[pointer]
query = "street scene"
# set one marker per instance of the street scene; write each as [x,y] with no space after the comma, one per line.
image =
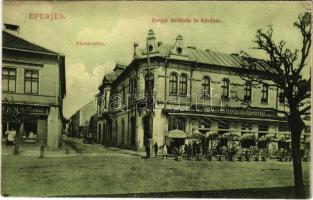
[157,103]
[112,172]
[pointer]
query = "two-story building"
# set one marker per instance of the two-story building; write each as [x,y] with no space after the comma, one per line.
[34,78]
[194,91]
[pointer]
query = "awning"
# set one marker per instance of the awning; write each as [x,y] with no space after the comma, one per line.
[176,134]
[231,135]
[212,135]
[248,136]
[268,137]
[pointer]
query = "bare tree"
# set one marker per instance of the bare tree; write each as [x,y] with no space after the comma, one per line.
[20,114]
[284,69]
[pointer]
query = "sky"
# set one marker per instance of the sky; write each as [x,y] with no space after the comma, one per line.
[119,24]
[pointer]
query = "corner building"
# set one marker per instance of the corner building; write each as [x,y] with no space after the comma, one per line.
[34,78]
[194,91]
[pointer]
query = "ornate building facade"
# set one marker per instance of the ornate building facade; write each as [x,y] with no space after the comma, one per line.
[194,91]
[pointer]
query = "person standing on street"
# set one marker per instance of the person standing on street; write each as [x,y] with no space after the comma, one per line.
[147,146]
[164,151]
[155,148]
[11,137]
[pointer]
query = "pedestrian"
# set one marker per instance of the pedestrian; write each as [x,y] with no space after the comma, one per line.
[185,150]
[180,152]
[164,151]
[189,152]
[11,137]
[147,149]
[155,148]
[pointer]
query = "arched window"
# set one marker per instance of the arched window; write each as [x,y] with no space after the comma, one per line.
[225,89]
[183,85]
[248,91]
[206,87]
[264,91]
[173,84]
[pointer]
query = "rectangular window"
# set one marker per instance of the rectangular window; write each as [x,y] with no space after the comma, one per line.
[225,89]
[264,91]
[246,128]
[248,92]
[283,127]
[281,97]
[31,81]
[175,123]
[9,79]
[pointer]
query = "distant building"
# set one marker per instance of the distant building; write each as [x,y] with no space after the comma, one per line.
[194,92]
[80,121]
[33,77]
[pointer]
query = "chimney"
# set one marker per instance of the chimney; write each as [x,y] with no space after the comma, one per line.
[135,49]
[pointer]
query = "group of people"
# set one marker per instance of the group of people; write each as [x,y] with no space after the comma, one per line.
[188,150]
[162,149]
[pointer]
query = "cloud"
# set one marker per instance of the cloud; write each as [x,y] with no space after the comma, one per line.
[83,86]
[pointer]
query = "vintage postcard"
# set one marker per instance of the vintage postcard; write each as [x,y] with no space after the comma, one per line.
[174,99]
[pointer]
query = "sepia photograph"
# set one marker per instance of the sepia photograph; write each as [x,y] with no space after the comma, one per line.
[156,99]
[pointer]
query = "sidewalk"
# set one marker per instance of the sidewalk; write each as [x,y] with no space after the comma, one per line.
[35,151]
[99,148]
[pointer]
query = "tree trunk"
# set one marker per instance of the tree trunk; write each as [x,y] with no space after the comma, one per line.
[19,132]
[296,125]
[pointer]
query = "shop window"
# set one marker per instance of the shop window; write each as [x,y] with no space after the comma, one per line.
[283,127]
[246,128]
[263,129]
[30,129]
[205,125]
[8,79]
[223,127]
[31,83]
[176,123]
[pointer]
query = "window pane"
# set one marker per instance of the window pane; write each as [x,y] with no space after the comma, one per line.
[35,87]
[35,74]
[27,86]
[4,84]
[5,71]
[12,72]
[28,74]
[12,85]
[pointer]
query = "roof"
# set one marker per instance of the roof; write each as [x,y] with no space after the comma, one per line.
[110,77]
[201,56]
[11,41]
